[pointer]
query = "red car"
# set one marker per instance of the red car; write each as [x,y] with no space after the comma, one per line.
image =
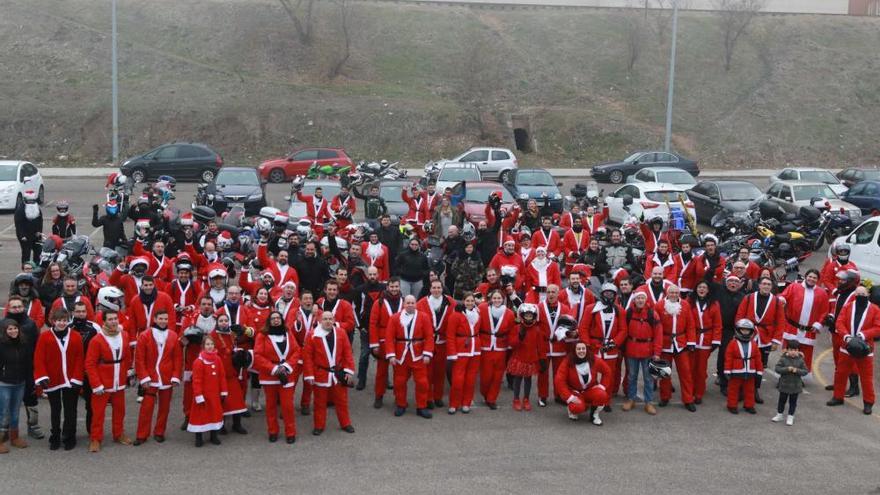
[298,163]
[476,197]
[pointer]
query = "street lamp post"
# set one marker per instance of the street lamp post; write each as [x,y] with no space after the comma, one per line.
[115,89]
[671,90]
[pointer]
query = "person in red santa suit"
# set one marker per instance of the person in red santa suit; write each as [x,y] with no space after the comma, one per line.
[409,347]
[160,266]
[707,323]
[328,366]
[542,272]
[847,282]
[210,390]
[528,357]
[147,303]
[463,353]
[575,242]
[679,339]
[420,209]
[108,361]
[508,262]
[158,364]
[497,321]
[308,317]
[742,365]
[71,295]
[196,325]
[287,304]
[652,232]
[236,361]
[857,326]
[549,312]
[184,291]
[655,287]
[577,297]
[710,264]
[662,258]
[259,307]
[766,312]
[276,358]
[281,270]
[376,254]
[440,308]
[566,221]
[525,248]
[382,312]
[548,238]
[593,220]
[128,277]
[840,262]
[343,312]
[806,305]
[241,322]
[685,267]
[59,371]
[605,330]
[317,206]
[343,207]
[583,381]
[251,284]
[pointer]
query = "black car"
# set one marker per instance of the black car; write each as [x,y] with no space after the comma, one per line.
[537,184]
[237,186]
[851,176]
[617,172]
[183,161]
[712,196]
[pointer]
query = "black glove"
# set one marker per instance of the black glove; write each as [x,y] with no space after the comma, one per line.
[237,329]
[282,376]
[829,322]
[543,365]
[690,347]
[95,207]
[715,346]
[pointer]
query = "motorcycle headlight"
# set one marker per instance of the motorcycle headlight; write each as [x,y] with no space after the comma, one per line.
[524,196]
[557,196]
[210,197]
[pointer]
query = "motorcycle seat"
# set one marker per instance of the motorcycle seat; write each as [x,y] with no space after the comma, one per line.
[784,237]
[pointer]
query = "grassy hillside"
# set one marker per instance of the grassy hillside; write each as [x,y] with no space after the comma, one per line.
[424,82]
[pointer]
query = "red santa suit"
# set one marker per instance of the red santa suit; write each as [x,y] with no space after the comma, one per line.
[678,335]
[574,244]
[184,297]
[326,353]
[652,239]
[209,389]
[702,266]
[440,310]
[593,223]
[862,321]
[59,360]
[409,340]
[685,271]
[742,365]
[668,265]
[583,385]
[342,311]
[306,322]
[605,330]
[259,313]
[496,324]
[548,317]
[61,302]
[282,273]
[769,322]
[317,209]
[161,268]
[550,241]
[381,315]
[35,311]
[566,221]
[377,255]
[828,274]
[654,294]
[707,323]
[805,309]
[835,306]
[288,310]
[275,354]
[349,205]
[578,302]
[158,364]
[513,263]
[541,274]
[190,350]
[420,208]
[108,360]
[234,403]
[141,315]
[463,347]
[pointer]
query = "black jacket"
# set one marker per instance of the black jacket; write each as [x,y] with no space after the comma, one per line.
[24,228]
[113,228]
[411,266]
[391,238]
[16,360]
[313,272]
[729,302]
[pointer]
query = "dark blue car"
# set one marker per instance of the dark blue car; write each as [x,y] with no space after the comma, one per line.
[865,195]
[537,184]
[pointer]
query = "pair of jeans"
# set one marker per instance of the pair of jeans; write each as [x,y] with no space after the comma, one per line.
[410,288]
[633,365]
[11,396]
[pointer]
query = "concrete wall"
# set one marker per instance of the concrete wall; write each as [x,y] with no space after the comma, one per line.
[779,6]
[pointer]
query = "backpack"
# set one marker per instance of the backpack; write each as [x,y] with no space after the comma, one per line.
[651,320]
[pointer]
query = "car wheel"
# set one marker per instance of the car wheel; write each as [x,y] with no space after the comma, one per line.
[138,175]
[616,177]
[276,176]
[41,195]
[18,201]
[502,177]
[207,175]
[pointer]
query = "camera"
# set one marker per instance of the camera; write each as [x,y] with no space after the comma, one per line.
[507,280]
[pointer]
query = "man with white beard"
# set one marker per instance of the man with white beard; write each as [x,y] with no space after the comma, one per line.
[679,340]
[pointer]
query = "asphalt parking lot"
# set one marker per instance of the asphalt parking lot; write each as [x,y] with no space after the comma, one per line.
[710,451]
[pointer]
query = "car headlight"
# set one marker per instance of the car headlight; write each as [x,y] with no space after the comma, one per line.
[255,196]
[523,196]
[557,196]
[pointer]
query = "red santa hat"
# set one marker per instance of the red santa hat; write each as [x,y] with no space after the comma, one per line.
[269,274]
[290,283]
[216,270]
[509,239]
[541,249]
[140,260]
[186,220]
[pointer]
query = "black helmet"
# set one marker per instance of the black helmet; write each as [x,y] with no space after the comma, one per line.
[656,220]
[857,347]
[24,278]
[745,330]
[660,368]
[241,359]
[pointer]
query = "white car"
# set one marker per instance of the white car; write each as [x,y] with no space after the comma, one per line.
[791,196]
[493,163]
[803,174]
[669,175]
[865,248]
[16,177]
[649,198]
[453,174]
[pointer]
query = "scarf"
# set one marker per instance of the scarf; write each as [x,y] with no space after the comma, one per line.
[276,330]
[209,357]
[148,299]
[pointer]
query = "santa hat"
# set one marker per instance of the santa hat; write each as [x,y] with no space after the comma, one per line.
[509,239]
[139,261]
[111,204]
[186,220]
[216,270]
[541,249]
[269,273]
[224,236]
[290,283]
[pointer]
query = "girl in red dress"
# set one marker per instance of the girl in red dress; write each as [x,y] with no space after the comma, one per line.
[527,356]
[210,391]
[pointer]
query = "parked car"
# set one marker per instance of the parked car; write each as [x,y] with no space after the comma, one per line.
[649,198]
[299,161]
[389,190]
[850,176]
[495,163]
[16,177]
[803,174]
[183,161]
[792,195]
[865,195]
[238,186]
[477,195]
[617,172]
[711,197]
[865,249]
[669,175]
[537,184]
[454,173]
[329,188]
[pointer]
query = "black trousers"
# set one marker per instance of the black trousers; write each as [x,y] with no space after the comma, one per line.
[63,401]
[363,356]
[719,363]
[30,250]
[87,397]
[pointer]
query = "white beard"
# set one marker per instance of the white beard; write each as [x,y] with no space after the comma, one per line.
[374,250]
[672,308]
[31,211]
[540,263]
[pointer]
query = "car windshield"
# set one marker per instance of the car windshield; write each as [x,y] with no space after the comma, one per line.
[238,177]
[739,192]
[534,179]
[391,193]
[675,177]
[328,191]
[633,157]
[459,174]
[481,194]
[662,196]
[822,176]
[805,193]
[8,172]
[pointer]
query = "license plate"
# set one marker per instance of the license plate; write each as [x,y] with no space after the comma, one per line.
[234,205]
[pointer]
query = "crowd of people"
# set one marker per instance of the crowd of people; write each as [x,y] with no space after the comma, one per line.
[240,323]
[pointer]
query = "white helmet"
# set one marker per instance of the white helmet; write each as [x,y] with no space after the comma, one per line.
[110,297]
[304,228]
[383,162]
[264,226]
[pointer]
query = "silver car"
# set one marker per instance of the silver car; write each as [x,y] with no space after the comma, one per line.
[494,163]
[792,195]
[804,174]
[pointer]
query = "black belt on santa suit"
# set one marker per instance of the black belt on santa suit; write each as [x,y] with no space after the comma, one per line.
[104,361]
[408,340]
[800,327]
[499,334]
[643,341]
[703,330]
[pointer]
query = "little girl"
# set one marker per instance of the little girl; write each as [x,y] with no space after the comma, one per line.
[527,357]
[791,368]
[209,391]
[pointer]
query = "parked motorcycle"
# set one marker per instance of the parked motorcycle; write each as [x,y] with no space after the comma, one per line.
[365,173]
[202,197]
[333,171]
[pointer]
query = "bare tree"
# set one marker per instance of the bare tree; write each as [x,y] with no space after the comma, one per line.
[302,25]
[735,16]
[634,27]
[345,53]
[480,76]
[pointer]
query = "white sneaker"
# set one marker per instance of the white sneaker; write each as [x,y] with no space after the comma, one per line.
[596,419]
[572,416]
[465,409]
[790,420]
[779,417]
[255,400]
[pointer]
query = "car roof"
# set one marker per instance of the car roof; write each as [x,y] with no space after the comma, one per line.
[321,182]
[862,168]
[488,183]
[490,148]
[800,183]
[194,143]
[657,186]
[727,182]
[13,162]
[807,169]
[236,169]
[664,169]
[451,165]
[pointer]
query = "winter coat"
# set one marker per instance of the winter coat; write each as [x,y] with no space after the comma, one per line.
[468,271]
[791,383]
[24,228]
[411,266]
[113,229]
[15,360]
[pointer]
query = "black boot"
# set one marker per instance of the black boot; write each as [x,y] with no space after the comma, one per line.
[199,440]
[868,408]
[853,386]
[236,425]
[758,399]
[214,438]
[69,442]
[54,441]
[185,423]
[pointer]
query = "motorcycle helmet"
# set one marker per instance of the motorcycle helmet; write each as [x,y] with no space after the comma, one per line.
[304,228]
[282,242]
[297,183]
[848,279]
[264,226]
[63,208]
[569,324]
[24,278]
[857,347]
[842,251]
[660,369]
[112,207]
[527,310]
[110,297]
[656,220]
[224,241]
[525,232]
[384,163]
[608,287]
[745,330]
[468,232]
[428,227]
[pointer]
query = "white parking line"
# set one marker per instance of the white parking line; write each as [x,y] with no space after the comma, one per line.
[94,232]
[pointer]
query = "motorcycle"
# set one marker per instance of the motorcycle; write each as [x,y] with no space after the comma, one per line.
[202,197]
[334,171]
[365,173]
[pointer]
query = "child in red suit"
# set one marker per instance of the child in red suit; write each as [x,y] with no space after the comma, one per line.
[528,355]
[743,366]
[209,392]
